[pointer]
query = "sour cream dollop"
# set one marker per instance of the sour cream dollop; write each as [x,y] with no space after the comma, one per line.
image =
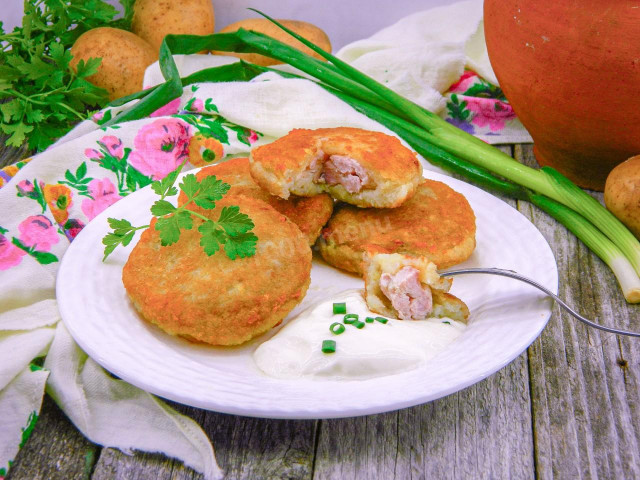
[373,351]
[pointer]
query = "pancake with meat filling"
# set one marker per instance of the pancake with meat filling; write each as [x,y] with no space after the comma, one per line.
[310,214]
[360,167]
[409,288]
[214,299]
[436,223]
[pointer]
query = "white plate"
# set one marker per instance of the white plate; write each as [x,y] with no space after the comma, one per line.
[506,316]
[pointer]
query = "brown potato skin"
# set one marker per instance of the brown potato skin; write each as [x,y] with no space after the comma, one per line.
[622,193]
[125,57]
[262,25]
[213,299]
[310,214]
[154,19]
[437,223]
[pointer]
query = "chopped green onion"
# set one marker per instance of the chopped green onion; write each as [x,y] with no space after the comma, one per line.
[381,319]
[369,319]
[358,324]
[337,328]
[350,318]
[328,346]
[448,323]
[339,308]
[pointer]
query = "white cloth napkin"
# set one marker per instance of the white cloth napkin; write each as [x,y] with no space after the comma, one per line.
[46,203]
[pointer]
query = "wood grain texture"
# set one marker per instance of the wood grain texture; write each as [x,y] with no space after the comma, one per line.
[56,450]
[584,382]
[481,432]
[246,448]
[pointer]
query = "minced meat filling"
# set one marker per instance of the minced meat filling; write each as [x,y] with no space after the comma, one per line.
[409,298]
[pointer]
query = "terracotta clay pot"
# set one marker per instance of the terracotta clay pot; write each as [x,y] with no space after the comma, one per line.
[571,70]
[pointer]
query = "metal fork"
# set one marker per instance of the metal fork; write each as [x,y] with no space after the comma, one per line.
[517,276]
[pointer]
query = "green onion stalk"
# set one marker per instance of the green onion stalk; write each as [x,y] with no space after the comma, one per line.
[440,142]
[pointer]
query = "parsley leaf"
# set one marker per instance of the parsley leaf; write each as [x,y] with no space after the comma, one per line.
[234,222]
[212,237]
[123,233]
[165,187]
[162,207]
[211,190]
[232,230]
[241,246]
[169,227]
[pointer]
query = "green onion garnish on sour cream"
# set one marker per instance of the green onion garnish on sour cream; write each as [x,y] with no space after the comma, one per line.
[328,346]
[337,328]
[339,308]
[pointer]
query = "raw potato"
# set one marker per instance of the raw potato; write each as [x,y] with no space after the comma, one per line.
[622,193]
[262,25]
[154,19]
[125,57]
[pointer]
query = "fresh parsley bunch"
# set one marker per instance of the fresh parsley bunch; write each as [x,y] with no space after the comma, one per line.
[42,97]
[232,230]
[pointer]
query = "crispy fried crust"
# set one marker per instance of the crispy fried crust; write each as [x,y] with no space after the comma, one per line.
[286,165]
[444,304]
[437,223]
[310,214]
[214,299]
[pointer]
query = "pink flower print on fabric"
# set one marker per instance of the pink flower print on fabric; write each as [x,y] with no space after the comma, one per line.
[97,116]
[253,137]
[113,145]
[161,147]
[196,106]
[170,108]
[464,82]
[38,232]
[104,194]
[25,188]
[10,255]
[490,112]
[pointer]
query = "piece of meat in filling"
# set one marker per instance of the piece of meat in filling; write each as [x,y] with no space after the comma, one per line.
[408,297]
[340,170]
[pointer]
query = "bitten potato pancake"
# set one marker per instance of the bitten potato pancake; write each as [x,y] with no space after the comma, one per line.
[360,167]
[214,299]
[437,223]
[310,214]
[409,288]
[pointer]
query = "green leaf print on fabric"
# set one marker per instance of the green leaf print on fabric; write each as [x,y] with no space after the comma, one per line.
[28,430]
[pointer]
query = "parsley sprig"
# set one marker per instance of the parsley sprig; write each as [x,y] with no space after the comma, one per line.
[41,97]
[232,230]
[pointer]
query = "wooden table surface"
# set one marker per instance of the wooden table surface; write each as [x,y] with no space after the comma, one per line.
[567,408]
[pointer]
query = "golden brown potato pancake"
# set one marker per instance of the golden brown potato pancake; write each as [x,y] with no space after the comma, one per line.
[360,167]
[437,223]
[214,299]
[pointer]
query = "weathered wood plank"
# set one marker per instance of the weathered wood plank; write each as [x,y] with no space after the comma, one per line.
[246,448]
[584,382]
[56,450]
[484,431]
